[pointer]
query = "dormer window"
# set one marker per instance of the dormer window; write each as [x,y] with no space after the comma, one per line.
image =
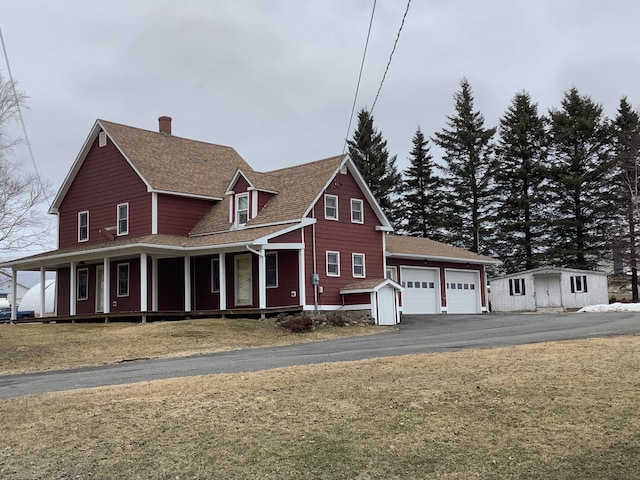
[102,139]
[242,209]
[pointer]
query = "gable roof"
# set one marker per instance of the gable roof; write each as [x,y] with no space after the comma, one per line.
[165,163]
[404,246]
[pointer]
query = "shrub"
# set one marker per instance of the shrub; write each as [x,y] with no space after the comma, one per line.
[296,323]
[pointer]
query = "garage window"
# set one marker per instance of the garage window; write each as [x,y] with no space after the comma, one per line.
[579,284]
[516,286]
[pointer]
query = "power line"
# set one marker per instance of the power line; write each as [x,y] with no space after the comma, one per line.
[355,97]
[391,55]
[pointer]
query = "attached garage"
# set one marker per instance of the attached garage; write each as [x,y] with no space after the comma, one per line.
[421,290]
[463,291]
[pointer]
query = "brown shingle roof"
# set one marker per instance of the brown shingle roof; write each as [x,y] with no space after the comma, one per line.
[176,164]
[406,245]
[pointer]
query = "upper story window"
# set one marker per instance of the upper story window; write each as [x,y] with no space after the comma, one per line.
[123,279]
[123,219]
[242,209]
[272,269]
[358,265]
[333,264]
[357,213]
[102,139]
[83,284]
[579,284]
[83,226]
[516,286]
[331,207]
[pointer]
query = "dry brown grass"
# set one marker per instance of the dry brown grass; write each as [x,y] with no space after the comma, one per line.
[35,347]
[567,410]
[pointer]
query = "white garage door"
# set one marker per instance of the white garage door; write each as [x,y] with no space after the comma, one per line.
[463,291]
[421,290]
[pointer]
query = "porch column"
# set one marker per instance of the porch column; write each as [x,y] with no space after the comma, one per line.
[106,280]
[301,278]
[223,282]
[154,284]
[14,294]
[262,279]
[43,300]
[187,283]
[143,282]
[72,288]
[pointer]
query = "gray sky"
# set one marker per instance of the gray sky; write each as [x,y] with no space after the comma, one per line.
[276,79]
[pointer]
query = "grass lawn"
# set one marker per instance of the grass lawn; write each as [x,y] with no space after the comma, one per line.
[567,410]
[37,347]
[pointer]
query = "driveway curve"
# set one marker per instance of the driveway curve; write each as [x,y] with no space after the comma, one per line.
[416,334]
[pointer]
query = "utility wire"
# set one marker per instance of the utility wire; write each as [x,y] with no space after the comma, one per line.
[24,128]
[355,97]
[391,56]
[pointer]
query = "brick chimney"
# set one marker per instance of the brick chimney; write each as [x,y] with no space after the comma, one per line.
[164,123]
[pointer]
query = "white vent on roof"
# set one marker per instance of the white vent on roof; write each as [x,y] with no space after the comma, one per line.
[102,139]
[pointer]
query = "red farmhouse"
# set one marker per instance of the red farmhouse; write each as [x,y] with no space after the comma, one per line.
[151,224]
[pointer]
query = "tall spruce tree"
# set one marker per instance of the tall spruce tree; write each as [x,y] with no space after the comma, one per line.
[582,197]
[368,150]
[627,150]
[469,168]
[422,192]
[521,154]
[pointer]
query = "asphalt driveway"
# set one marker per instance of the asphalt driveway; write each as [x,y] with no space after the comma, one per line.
[416,334]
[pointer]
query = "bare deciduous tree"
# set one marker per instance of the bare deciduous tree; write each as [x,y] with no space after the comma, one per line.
[22,194]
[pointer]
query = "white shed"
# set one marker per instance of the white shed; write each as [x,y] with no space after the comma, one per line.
[548,287]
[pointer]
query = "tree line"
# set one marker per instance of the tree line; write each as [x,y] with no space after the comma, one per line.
[537,189]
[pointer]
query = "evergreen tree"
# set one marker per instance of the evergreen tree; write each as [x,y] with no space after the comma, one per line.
[469,169]
[582,198]
[627,150]
[521,154]
[368,150]
[422,195]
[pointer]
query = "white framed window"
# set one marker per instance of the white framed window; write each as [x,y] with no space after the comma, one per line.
[123,219]
[271,260]
[391,273]
[357,262]
[579,284]
[83,226]
[516,287]
[123,279]
[83,284]
[333,264]
[102,139]
[357,211]
[242,209]
[215,274]
[331,207]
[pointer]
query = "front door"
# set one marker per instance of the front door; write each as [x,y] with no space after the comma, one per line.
[100,289]
[243,280]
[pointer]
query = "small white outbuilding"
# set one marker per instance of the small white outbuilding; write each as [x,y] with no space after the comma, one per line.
[548,288]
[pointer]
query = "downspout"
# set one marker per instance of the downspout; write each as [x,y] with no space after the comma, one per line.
[315,261]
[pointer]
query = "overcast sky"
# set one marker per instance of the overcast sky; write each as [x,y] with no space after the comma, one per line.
[276,79]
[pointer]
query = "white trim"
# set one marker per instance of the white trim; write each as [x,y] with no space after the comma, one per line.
[99,273]
[72,289]
[154,283]
[143,283]
[361,221]
[187,283]
[223,281]
[360,306]
[118,219]
[262,280]
[106,271]
[238,197]
[327,253]
[353,265]
[335,197]
[301,278]
[118,294]
[283,246]
[85,239]
[254,204]
[434,258]
[86,297]
[231,200]
[154,213]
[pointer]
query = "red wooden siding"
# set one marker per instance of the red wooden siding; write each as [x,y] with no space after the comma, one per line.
[288,280]
[63,292]
[104,180]
[263,199]
[178,215]
[202,274]
[357,298]
[131,302]
[291,237]
[344,237]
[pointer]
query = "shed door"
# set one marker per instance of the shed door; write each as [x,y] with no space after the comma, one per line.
[547,289]
[421,292]
[463,291]
[386,306]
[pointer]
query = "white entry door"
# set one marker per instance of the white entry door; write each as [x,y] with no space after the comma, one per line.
[463,291]
[421,290]
[243,280]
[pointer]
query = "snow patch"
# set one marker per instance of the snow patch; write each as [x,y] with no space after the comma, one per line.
[612,307]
